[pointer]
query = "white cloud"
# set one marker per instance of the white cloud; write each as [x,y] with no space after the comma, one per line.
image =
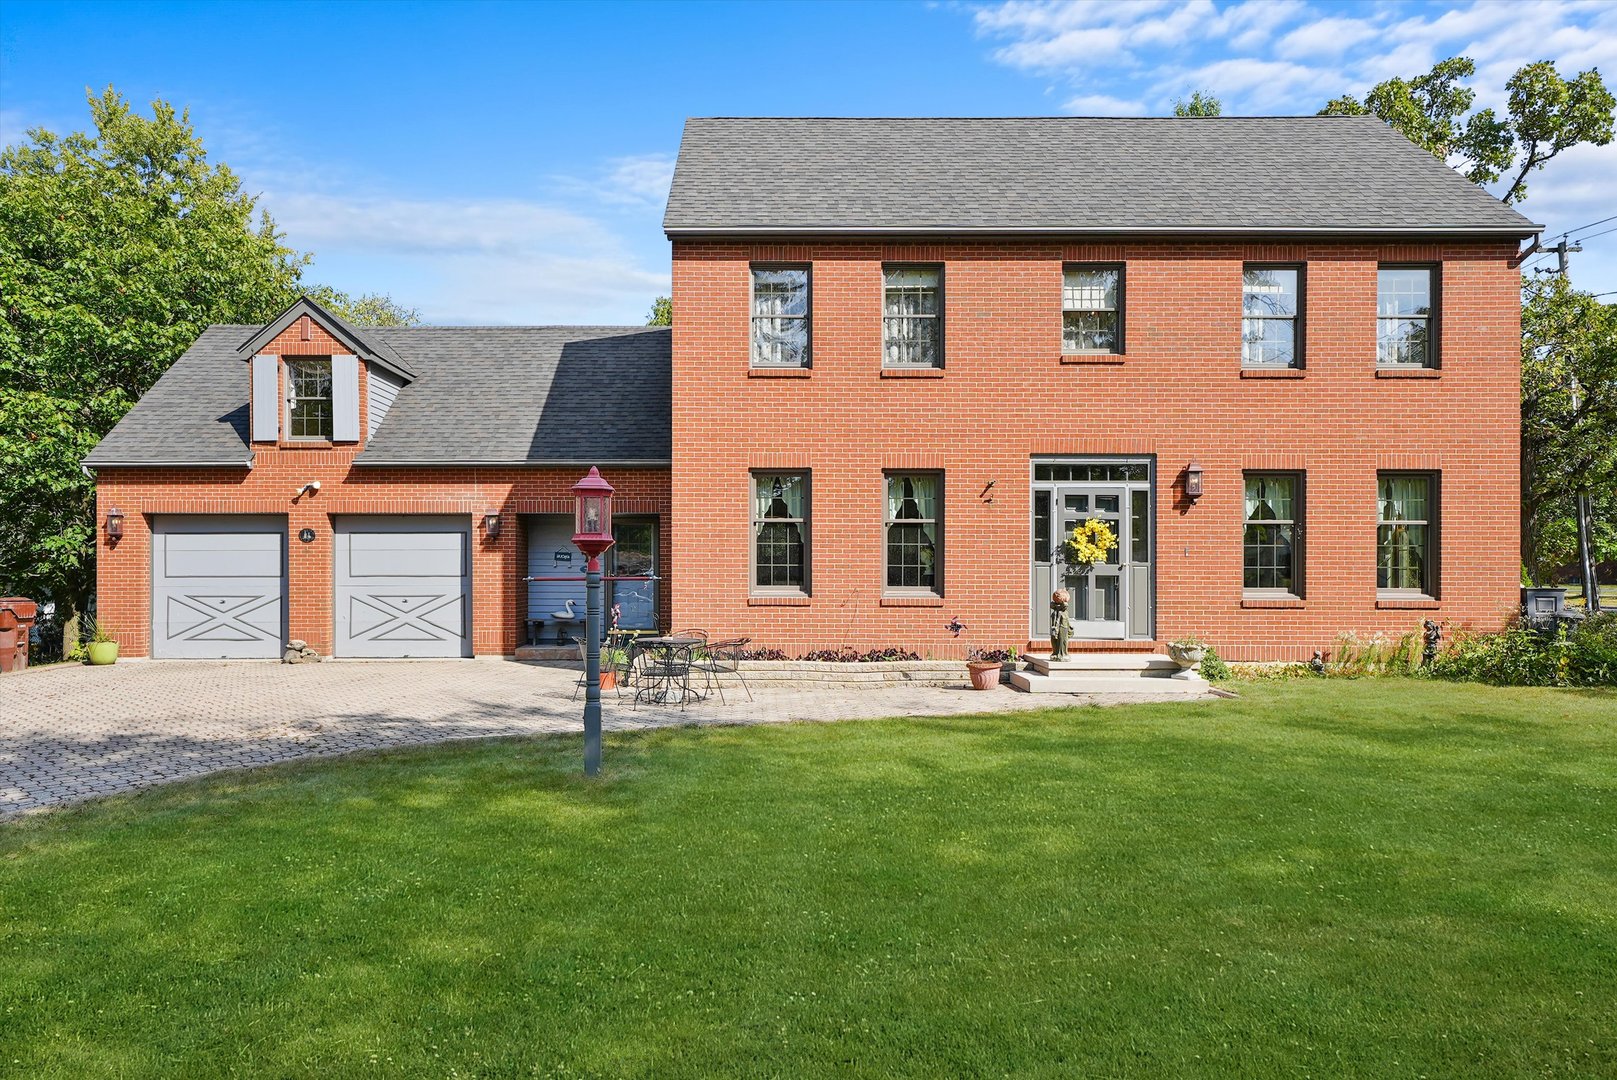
[643,179]
[1104,105]
[1325,37]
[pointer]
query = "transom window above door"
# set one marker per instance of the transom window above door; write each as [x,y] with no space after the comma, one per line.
[780,316]
[1092,309]
[1271,306]
[308,398]
[912,316]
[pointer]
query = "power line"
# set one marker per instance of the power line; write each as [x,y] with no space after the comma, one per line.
[1592,224]
[1602,232]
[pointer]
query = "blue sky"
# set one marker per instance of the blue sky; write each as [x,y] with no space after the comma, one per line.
[507,163]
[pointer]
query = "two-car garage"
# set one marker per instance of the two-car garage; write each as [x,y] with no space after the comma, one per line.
[401,585]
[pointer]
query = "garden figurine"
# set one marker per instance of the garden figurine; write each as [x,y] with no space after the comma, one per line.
[1060,625]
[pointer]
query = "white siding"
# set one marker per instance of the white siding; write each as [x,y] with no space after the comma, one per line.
[383,387]
[551,551]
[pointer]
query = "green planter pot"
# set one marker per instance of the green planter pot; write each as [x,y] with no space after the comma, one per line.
[102,652]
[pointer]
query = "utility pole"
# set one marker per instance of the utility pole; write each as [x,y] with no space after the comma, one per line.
[1586,557]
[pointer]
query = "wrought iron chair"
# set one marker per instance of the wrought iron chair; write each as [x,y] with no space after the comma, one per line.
[721,658]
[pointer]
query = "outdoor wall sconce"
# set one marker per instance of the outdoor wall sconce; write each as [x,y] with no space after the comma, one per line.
[115,524]
[491,524]
[1193,481]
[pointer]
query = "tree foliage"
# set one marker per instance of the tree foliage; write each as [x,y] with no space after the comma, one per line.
[662,312]
[1569,421]
[366,309]
[117,247]
[1198,104]
[1545,115]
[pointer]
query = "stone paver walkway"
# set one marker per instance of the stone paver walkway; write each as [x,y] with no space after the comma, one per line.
[72,732]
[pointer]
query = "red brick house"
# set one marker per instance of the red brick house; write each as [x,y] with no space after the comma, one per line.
[909,357]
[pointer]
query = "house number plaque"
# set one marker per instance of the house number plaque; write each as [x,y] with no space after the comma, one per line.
[306,535]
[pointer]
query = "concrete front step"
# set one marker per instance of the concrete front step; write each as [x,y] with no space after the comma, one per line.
[1123,664]
[1034,683]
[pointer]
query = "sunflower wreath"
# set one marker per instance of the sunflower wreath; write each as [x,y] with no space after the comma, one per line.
[1089,543]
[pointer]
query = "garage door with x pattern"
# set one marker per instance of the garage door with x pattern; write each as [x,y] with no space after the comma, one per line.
[403,586]
[218,586]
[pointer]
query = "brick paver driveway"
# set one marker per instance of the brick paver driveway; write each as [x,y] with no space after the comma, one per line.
[75,732]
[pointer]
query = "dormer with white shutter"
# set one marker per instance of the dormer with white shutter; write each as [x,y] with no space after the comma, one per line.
[318,382]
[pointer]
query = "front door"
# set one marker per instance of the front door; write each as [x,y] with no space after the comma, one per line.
[1111,598]
[1099,590]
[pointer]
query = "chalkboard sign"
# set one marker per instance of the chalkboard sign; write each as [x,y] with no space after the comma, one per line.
[306,535]
[562,557]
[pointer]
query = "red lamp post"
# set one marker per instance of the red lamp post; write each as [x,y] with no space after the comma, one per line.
[592,535]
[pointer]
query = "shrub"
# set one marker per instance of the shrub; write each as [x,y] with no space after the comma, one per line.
[1522,656]
[1213,668]
[1375,655]
[848,655]
[763,654]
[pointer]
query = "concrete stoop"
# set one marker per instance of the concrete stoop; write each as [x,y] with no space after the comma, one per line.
[1108,673]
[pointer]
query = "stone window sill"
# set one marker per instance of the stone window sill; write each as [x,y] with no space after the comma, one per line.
[1273,602]
[1093,358]
[1408,373]
[911,373]
[309,444]
[785,600]
[1407,603]
[912,601]
[779,373]
[1273,373]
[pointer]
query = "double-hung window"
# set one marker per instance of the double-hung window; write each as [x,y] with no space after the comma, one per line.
[308,398]
[1092,309]
[1271,541]
[1406,520]
[780,532]
[1406,323]
[780,316]
[912,316]
[1271,316]
[914,533]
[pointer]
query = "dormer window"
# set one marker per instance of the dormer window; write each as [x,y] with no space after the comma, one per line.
[308,398]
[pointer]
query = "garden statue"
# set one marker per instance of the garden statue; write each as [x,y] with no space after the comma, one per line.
[1433,634]
[1060,625]
[1317,664]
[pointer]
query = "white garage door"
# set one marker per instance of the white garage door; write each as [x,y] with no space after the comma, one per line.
[403,586]
[218,586]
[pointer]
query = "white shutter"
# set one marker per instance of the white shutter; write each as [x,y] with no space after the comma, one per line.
[344,398]
[266,397]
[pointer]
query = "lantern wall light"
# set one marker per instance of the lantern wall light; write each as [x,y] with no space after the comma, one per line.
[115,523]
[1193,481]
[491,524]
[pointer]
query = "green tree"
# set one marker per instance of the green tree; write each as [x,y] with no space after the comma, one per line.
[1545,115]
[117,247]
[1569,422]
[1199,104]
[662,312]
[367,309]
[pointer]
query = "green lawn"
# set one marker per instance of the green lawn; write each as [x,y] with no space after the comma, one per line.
[1325,878]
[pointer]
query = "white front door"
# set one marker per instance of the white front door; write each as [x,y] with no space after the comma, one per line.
[403,586]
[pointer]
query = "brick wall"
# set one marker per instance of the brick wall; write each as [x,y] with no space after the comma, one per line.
[499,597]
[1007,393]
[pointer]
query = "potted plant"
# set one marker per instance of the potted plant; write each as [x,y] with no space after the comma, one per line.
[101,649]
[614,659]
[984,673]
[1188,651]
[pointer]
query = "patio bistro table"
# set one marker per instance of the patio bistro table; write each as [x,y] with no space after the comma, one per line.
[666,679]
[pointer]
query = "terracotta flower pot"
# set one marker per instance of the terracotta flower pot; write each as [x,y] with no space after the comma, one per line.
[984,674]
[102,652]
[609,680]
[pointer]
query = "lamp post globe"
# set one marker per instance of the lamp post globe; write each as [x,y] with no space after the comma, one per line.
[592,535]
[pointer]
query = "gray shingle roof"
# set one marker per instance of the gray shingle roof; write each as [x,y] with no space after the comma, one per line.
[1068,174]
[482,395]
